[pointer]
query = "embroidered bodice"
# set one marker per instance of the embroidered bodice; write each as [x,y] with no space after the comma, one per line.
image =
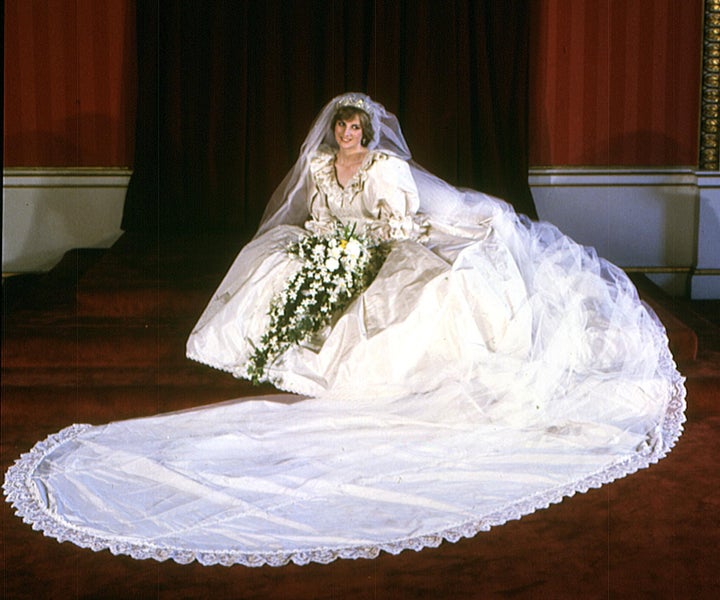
[381,197]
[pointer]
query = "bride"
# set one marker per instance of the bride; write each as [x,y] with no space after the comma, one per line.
[488,367]
[449,302]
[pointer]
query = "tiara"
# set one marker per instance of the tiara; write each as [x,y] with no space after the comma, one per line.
[356,101]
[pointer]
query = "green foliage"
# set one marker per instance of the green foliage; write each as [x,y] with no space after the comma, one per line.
[335,269]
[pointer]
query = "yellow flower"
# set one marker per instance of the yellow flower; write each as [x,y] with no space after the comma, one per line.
[343,243]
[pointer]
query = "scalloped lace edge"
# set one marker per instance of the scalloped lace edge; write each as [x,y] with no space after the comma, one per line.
[20,492]
[241,373]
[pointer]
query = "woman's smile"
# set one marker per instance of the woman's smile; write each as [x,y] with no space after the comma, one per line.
[348,133]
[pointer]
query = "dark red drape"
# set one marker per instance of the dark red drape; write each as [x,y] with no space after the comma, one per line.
[228,90]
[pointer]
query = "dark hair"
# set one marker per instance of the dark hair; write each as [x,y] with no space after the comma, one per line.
[348,112]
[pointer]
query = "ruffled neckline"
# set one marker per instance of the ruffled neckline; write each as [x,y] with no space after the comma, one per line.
[322,166]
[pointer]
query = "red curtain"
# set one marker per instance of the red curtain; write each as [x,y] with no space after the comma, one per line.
[228,90]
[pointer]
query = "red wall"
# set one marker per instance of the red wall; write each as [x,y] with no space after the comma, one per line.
[69,83]
[615,82]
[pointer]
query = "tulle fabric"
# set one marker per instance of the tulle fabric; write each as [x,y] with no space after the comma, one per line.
[438,199]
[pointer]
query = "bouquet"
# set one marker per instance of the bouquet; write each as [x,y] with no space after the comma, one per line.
[335,268]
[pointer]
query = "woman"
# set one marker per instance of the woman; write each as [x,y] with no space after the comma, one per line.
[488,367]
[397,333]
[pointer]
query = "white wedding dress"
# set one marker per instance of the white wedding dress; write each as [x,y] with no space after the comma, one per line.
[493,367]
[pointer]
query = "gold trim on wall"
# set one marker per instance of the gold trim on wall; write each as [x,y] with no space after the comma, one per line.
[657,270]
[669,270]
[709,159]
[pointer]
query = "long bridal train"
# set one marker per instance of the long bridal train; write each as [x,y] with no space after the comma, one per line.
[259,482]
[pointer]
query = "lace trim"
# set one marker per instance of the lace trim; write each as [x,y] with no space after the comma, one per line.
[29,505]
[323,169]
[202,361]
[240,372]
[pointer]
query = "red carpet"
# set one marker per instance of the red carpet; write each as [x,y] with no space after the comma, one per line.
[102,338]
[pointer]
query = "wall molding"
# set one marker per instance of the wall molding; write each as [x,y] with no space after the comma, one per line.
[661,221]
[48,211]
[21,177]
[705,282]
[611,176]
[651,220]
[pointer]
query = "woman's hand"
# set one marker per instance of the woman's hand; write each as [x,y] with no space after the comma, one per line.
[320,227]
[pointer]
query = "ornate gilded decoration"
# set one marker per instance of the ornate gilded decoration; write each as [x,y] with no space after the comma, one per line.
[709,159]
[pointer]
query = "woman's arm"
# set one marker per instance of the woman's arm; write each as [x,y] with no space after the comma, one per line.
[392,198]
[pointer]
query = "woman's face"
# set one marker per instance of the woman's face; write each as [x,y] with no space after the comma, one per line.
[349,133]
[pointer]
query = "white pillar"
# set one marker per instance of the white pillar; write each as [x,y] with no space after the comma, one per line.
[705,282]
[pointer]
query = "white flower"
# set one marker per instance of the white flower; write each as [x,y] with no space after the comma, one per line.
[332,264]
[333,270]
[353,248]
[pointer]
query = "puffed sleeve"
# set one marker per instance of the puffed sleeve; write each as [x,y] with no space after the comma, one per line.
[392,199]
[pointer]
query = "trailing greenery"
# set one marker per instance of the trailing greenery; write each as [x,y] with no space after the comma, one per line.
[335,268]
